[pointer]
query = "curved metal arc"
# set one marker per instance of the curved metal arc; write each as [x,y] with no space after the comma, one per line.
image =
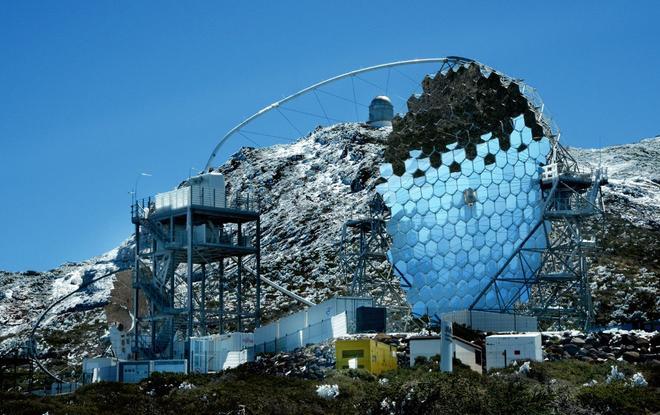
[47,310]
[276,104]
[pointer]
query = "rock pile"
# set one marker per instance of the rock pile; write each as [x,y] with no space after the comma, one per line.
[310,362]
[631,346]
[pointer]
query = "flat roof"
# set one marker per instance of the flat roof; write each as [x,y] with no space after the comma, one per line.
[455,338]
[502,336]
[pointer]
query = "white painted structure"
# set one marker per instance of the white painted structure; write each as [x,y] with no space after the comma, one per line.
[323,330]
[169,366]
[105,369]
[504,349]
[121,342]
[219,351]
[428,346]
[99,369]
[492,322]
[330,319]
[203,190]
[446,347]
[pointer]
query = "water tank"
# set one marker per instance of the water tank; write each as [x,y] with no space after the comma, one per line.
[381,112]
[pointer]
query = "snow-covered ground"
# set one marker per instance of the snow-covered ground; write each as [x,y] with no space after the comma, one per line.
[634,176]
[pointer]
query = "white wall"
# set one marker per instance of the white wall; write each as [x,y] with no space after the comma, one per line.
[311,325]
[522,347]
[430,347]
[492,322]
[424,347]
[210,353]
[170,366]
[467,356]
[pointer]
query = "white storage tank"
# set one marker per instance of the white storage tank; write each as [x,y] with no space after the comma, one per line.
[504,349]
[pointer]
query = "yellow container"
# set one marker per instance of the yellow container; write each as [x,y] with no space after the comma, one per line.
[367,354]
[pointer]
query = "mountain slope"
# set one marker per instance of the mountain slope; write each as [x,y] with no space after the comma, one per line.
[308,189]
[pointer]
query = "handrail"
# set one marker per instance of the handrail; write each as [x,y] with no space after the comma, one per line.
[33,343]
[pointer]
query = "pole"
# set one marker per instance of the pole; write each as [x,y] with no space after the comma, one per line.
[239,286]
[257,317]
[446,347]
[202,306]
[189,230]
[221,307]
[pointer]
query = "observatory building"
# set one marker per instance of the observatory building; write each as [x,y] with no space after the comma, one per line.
[381,112]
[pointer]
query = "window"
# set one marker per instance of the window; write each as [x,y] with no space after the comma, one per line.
[516,352]
[347,354]
[477,357]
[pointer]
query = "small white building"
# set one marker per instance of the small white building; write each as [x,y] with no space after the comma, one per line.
[99,369]
[467,353]
[218,352]
[504,349]
[106,369]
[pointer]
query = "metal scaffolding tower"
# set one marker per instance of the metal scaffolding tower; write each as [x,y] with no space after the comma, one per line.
[559,289]
[186,243]
[364,264]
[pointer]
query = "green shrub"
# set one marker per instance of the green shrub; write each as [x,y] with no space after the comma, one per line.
[620,399]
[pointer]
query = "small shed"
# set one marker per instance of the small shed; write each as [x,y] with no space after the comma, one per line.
[504,349]
[133,371]
[368,354]
[99,369]
[468,353]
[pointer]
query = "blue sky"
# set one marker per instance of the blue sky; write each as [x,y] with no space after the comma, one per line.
[93,93]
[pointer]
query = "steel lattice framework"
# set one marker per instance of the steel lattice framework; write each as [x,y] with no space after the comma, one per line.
[542,271]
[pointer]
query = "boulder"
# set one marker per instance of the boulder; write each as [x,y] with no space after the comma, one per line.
[571,349]
[578,341]
[631,357]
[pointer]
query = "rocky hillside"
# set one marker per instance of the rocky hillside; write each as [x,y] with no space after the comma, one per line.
[308,189]
[626,274]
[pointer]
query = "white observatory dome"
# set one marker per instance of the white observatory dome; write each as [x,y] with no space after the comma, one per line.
[381,112]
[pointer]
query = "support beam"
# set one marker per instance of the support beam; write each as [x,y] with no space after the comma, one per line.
[189,276]
[136,293]
[239,288]
[258,271]
[221,308]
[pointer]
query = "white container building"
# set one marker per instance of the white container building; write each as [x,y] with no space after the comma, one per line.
[220,351]
[504,349]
